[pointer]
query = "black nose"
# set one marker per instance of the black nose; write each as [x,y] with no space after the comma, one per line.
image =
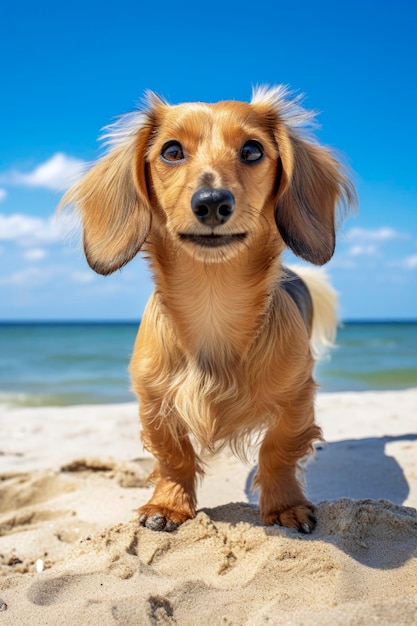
[213,206]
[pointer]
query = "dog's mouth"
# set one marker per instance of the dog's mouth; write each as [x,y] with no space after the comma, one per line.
[213,240]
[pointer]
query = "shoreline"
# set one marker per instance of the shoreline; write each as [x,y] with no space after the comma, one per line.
[49,433]
[72,551]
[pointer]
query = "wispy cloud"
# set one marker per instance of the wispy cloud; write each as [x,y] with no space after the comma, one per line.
[32,276]
[410,262]
[384,233]
[371,242]
[83,277]
[3,194]
[363,250]
[35,254]
[27,230]
[57,173]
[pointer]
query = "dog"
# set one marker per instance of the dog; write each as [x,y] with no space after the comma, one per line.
[213,194]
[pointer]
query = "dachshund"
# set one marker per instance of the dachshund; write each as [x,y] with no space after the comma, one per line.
[213,194]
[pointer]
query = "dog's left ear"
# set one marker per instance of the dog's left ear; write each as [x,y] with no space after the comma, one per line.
[310,187]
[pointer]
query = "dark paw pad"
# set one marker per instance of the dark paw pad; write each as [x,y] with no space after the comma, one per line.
[158,522]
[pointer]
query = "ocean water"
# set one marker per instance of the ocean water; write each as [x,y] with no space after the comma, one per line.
[87,363]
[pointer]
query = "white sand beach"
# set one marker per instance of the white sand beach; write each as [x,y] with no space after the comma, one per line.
[72,551]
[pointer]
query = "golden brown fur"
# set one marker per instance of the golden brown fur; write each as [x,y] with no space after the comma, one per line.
[222,350]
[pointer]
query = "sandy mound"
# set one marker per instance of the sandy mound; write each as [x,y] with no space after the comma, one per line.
[72,551]
[223,567]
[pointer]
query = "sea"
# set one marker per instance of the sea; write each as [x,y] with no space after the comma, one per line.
[57,363]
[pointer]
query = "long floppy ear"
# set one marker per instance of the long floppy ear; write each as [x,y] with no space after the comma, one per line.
[310,180]
[308,196]
[112,199]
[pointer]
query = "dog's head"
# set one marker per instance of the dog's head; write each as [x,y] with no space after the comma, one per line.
[212,178]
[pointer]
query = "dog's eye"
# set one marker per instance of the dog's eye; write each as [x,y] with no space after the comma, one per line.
[251,151]
[172,151]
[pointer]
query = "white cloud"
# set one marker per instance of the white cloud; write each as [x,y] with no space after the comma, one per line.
[35,254]
[3,194]
[371,244]
[340,261]
[57,173]
[83,277]
[27,230]
[363,250]
[32,276]
[385,233]
[410,262]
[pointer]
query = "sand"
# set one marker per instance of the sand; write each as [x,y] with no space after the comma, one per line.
[72,552]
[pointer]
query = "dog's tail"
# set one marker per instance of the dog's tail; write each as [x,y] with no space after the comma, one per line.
[325,304]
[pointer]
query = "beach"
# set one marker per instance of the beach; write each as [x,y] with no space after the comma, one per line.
[72,551]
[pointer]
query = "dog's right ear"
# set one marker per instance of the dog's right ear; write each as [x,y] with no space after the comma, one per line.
[311,185]
[113,201]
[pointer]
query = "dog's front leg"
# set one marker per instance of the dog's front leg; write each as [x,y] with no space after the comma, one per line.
[174,498]
[282,499]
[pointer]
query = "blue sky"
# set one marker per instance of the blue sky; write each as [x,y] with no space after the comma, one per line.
[68,69]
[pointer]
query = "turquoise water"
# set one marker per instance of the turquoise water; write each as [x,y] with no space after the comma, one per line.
[86,363]
[371,356]
[60,364]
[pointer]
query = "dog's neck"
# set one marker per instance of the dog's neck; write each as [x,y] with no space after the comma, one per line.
[216,308]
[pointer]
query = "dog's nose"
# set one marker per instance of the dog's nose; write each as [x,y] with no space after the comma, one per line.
[213,206]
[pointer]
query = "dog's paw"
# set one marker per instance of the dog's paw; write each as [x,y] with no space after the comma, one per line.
[162,518]
[301,518]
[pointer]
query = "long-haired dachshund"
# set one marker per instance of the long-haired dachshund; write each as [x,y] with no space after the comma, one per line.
[213,194]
